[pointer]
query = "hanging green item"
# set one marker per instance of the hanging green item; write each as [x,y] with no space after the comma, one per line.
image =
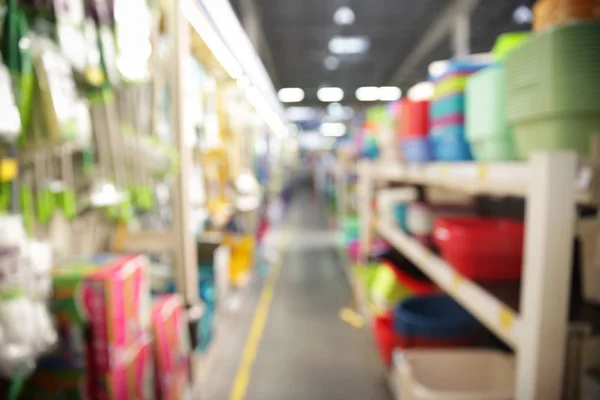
[15,48]
[27,205]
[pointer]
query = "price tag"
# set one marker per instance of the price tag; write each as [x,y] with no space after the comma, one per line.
[506,318]
[482,172]
[457,281]
[444,171]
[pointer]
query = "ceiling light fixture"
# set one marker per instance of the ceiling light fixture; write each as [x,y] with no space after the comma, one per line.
[438,68]
[389,93]
[349,44]
[332,63]
[291,95]
[297,114]
[522,15]
[333,129]
[367,93]
[421,91]
[330,94]
[211,39]
[344,16]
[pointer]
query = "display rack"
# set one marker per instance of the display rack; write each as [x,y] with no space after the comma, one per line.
[552,184]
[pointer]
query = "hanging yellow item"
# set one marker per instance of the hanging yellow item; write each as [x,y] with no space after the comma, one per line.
[242,257]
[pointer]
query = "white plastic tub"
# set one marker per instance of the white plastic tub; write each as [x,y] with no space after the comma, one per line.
[455,374]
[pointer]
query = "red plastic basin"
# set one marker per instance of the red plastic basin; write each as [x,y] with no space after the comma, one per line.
[482,249]
[385,337]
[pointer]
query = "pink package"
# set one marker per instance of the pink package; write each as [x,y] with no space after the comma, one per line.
[132,381]
[171,345]
[116,300]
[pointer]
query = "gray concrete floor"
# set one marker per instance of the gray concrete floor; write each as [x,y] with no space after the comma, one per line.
[307,351]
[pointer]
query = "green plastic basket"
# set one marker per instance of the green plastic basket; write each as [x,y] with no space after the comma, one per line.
[556,133]
[507,42]
[487,127]
[555,72]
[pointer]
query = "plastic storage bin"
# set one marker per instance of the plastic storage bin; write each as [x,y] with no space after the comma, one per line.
[447,120]
[421,216]
[385,338]
[552,99]
[450,144]
[487,128]
[453,374]
[415,118]
[400,214]
[483,249]
[416,150]
[434,321]
[452,104]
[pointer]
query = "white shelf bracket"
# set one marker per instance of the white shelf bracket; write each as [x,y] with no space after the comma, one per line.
[545,292]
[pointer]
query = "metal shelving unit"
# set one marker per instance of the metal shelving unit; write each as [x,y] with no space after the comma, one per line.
[552,184]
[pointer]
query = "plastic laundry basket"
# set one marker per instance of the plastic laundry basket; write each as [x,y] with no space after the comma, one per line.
[455,374]
[555,73]
[487,127]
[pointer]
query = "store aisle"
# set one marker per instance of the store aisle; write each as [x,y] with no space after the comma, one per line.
[306,351]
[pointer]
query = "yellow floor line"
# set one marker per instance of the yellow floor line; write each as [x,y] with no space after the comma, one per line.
[242,378]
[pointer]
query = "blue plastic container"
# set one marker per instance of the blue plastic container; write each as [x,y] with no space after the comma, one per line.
[400,212]
[434,317]
[417,149]
[449,144]
[453,104]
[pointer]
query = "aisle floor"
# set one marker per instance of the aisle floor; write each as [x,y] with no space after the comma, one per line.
[306,351]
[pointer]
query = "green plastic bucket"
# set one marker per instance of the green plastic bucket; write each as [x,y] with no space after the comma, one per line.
[487,128]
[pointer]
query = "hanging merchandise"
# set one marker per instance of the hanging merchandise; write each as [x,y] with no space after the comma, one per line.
[26,330]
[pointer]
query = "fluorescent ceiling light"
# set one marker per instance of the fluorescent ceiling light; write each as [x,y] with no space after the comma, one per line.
[300,113]
[335,110]
[332,63]
[438,68]
[291,95]
[349,44]
[421,91]
[344,16]
[333,129]
[389,93]
[268,115]
[367,93]
[523,15]
[211,38]
[330,94]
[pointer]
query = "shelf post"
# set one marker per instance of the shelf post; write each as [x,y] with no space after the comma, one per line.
[365,190]
[186,273]
[545,290]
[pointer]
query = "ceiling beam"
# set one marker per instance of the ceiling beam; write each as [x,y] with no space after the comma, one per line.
[439,30]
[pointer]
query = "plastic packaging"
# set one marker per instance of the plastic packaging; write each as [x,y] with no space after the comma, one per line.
[484,249]
[455,374]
